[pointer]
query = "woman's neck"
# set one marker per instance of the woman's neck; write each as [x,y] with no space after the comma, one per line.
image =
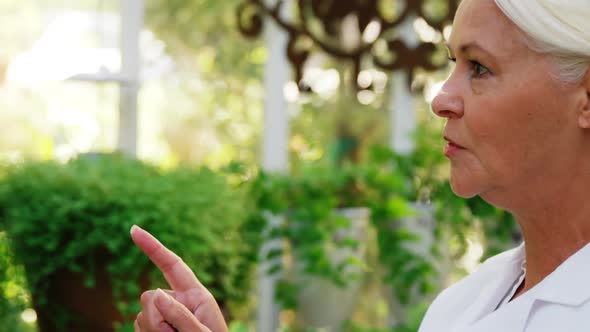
[553,231]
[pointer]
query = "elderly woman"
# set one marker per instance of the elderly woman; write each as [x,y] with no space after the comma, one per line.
[517,107]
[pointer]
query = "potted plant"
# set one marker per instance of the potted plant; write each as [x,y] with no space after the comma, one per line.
[68,227]
[327,212]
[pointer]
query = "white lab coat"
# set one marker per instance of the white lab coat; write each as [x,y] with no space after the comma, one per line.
[560,303]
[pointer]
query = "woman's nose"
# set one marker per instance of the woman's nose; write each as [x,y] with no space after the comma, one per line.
[447,103]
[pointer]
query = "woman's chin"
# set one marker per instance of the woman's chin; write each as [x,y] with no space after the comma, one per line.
[463,189]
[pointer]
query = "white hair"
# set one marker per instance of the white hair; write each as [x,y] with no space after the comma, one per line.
[559,28]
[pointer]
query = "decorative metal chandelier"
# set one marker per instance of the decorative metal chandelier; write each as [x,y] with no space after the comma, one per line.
[319,25]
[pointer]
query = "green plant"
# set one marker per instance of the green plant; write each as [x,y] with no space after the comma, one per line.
[74,215]
[309,200]
[406,271]
[14,298]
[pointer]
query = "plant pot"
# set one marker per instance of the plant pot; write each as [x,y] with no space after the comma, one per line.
[93,309]
[321,303]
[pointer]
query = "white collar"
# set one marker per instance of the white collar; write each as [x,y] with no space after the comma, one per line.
[567,285]
[573,272]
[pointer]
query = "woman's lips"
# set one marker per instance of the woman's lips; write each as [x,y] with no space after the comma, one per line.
[452,148]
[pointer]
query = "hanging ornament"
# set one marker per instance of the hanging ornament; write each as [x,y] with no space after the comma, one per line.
[323,25]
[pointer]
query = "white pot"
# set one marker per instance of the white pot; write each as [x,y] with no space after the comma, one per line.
[322,304]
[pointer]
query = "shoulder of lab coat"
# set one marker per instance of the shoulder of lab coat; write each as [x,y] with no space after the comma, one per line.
[446,308]
[561,300]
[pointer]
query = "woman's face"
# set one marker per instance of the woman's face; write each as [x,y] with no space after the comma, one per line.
[517,125]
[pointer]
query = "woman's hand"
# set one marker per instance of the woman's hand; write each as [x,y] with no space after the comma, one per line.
[188,307]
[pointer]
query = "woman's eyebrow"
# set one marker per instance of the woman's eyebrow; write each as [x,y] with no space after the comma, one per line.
[465,48]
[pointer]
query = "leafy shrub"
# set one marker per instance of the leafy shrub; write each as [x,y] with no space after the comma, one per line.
[65,216]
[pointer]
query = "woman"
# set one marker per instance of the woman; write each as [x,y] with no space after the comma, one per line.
[517,107]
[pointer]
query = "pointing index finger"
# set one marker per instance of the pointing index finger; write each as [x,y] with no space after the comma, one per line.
[177,273]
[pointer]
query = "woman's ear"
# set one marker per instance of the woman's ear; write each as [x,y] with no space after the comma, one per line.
[584,117]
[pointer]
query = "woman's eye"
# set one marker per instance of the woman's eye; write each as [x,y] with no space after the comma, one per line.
[479,70]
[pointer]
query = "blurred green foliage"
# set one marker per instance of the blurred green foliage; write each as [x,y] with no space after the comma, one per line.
[309,199]
[14,296]
[216,88]
[63,216]
[192,27]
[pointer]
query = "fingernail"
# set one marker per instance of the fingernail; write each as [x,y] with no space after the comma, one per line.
[163,300]
[133,228]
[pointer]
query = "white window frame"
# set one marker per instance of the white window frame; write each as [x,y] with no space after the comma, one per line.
[132,19]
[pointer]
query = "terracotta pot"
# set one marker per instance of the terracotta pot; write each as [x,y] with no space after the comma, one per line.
[93,309]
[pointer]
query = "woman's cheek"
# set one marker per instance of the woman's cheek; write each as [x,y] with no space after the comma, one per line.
[478,86]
